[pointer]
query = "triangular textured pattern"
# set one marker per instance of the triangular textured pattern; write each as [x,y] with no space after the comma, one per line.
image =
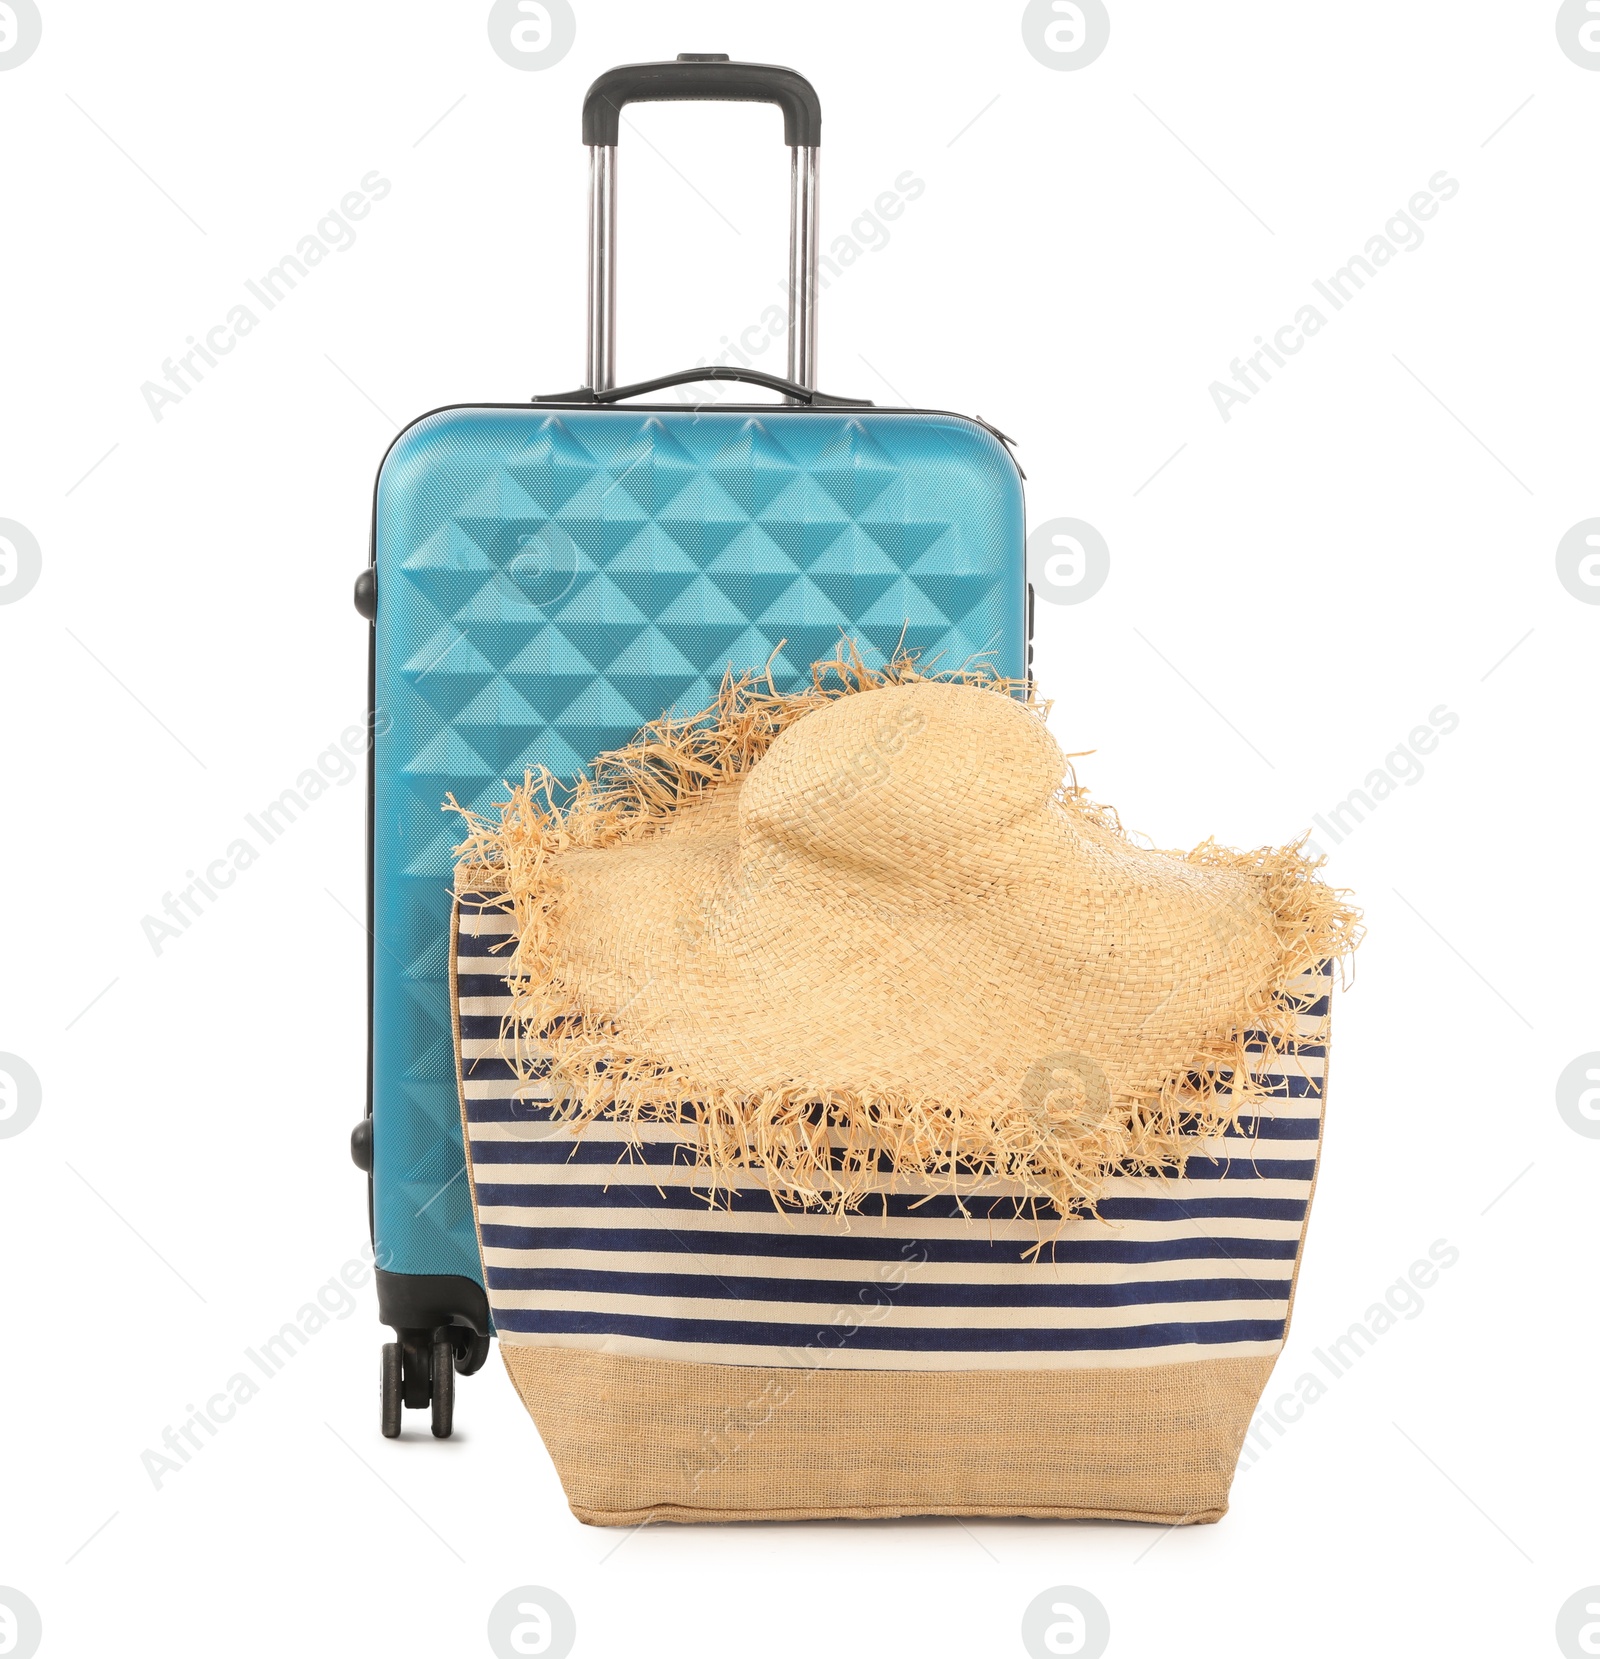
[752,571]
[652,569]
[754,468]
[549,580]
[552,466]
[653,467]
[856,470]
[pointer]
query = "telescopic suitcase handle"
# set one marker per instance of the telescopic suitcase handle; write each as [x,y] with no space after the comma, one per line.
[703,76]
[711,76]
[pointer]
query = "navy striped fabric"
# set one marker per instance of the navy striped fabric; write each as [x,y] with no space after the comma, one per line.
[605,1240]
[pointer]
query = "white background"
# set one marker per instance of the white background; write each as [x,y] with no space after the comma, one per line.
[1361,543]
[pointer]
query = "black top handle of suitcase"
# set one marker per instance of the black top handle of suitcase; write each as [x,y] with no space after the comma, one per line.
[699,76]
[714,77]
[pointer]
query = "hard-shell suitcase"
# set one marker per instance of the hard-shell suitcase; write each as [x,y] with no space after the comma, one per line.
[547,577]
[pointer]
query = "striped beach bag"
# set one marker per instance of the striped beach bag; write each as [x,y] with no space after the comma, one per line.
[716,1340]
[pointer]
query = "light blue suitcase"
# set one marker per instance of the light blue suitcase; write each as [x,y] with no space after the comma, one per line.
[547,577]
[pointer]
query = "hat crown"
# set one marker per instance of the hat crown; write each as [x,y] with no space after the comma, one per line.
[926,772]
[877,910]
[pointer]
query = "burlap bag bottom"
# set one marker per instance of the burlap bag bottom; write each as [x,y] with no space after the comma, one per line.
[638,1439]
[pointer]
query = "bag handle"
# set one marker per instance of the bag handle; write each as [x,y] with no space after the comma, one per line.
[697,76]
[796,393]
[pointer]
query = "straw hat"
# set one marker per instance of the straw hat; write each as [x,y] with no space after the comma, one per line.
[876,930]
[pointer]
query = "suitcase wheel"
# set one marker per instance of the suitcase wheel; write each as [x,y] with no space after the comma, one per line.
[391,1390]
[442,1368]
[420,1369]
[471,1350]
[419,1373]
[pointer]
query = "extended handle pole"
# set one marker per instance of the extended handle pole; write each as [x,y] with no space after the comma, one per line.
[602,360]
[804,194]
[804,202]
[696,76]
